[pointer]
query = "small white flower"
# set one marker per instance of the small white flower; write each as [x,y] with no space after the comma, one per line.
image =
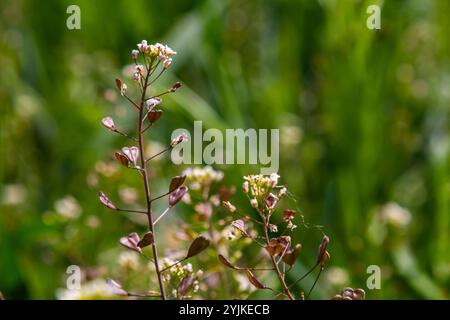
[167,63]
[245,187]
[134,54]
[151,103]
[282,192]
[143,46]
[274,179]
[168,51]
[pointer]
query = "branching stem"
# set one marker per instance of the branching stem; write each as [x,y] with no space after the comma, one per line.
[147,186]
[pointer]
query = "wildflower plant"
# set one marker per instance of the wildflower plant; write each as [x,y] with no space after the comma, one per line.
[150,62]
[264,194]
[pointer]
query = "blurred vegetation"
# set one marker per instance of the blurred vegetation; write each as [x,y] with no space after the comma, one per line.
[364,119]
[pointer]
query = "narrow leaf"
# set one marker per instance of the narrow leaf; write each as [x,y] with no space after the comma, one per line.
[197,246]
[177,195]
[290,257]
[106,202]
[146,240]
[227,262]
[254,281]
[176,182]
[116,287]
[154,115]
[119,84]
[122,159]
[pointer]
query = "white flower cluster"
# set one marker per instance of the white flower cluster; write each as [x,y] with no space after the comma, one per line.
[68,207]
[159,51]
[259,190]
[175,274]
[198,177]
[259,185]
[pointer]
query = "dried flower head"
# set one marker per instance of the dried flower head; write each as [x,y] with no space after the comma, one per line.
[132,154]
[131,242]
[277,246]
[288,215]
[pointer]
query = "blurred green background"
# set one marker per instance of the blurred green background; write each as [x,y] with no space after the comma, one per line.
[363,114]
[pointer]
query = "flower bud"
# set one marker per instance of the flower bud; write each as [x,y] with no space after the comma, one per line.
[271,201]
[179,139]
[227,205]
[245,187]
[143,46]
[134,54]
[175,87]
[106,202]
[108,122]
[167,63]
[288,215]
[274,180]
[254,203]
[152,102]
[323,248]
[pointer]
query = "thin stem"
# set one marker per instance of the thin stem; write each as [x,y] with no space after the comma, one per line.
[125,135]
[275,265]
[174,264]
[131,101]
[314,284]
[162,93]
[147,187]
[130,210]
[284,252]
[260,269]
[141,295]
[304,276]
[163,195]
[159,153]
[147,127]
[248,217]
[254,240]
[156,78]
[162,215]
